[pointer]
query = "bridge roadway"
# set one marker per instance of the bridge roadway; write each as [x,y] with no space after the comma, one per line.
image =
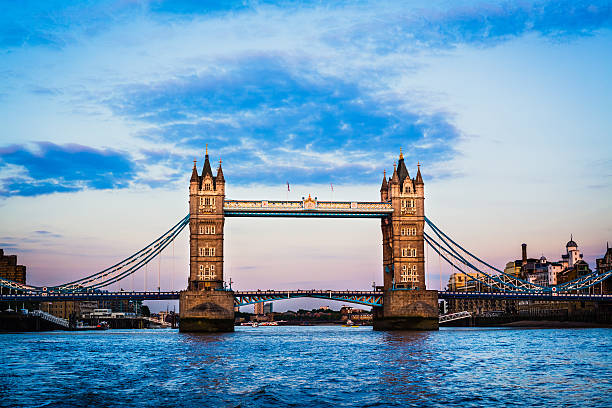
[243,298]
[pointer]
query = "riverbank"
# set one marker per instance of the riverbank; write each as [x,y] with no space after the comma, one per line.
[550,324]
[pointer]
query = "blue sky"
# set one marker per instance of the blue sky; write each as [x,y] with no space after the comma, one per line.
[104,106]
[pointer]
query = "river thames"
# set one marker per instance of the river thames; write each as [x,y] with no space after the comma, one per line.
[308,366]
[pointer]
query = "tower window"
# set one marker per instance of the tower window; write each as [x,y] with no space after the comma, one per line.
[207,186]
[206,272]
[409,253]
[408,273]
[206,251]
[209,229]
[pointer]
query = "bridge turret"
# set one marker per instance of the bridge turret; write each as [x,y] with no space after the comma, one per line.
[407,304]
[384,188]
[195,180]
[220,180]
[206,224]
[406,235]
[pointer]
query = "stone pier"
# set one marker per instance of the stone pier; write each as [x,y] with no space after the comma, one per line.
[206,311]
[407,310]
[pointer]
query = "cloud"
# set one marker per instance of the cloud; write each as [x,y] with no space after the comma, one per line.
[295,90]
[47,234]
[49,168]
[270,121]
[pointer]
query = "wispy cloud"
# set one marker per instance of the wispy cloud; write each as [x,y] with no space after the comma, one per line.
[46,167]
[292,89]
[270,121]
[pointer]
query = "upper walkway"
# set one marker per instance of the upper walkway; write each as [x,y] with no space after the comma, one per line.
[306,208]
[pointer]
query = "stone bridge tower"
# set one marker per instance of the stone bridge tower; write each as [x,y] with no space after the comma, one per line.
[407,304]
[206,221]
[206,306]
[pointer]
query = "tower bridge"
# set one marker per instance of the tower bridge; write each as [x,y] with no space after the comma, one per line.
[402,302]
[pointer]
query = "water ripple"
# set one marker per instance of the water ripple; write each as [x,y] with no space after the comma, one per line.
[308,366]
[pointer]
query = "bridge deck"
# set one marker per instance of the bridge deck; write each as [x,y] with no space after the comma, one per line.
[306,208]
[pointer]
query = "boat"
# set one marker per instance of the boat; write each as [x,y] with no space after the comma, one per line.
[349,323]
[102,326]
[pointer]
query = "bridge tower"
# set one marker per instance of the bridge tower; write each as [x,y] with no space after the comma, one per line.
[407,304]
[206,306]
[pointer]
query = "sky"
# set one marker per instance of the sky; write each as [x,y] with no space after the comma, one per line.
[104,106]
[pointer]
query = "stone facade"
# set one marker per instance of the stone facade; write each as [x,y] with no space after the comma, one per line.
[407,310]
[206,306]
[206,195]
[206,311]
[407,305]
[402,233]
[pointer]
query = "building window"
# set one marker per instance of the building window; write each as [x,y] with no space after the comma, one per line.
[407,203]
[410,231]
[409,253]
[206,272]
[206,251]
[207,187]
[201,201]
[408,273]
[201,230]
[404,274]
[209,229]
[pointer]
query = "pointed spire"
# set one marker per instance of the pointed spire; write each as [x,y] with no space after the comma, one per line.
[401,154]
[384,186]
[395,177]
[419,178]
[206,169]
[220,177]
[402,171]
[194,172]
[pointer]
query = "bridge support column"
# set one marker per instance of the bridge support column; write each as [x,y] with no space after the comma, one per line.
[407,310]
[206,311]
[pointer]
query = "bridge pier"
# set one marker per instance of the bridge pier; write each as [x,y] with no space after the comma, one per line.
[407,310]
[206,311]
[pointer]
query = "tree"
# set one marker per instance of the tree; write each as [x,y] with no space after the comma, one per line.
[145,311]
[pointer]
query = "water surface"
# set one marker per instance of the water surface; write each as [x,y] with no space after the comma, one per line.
[308,366]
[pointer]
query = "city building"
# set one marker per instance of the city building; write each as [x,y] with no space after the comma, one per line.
[9,268]
[544,273]
[459,282]
[259,308]
[605,265]
[267,308]
[68,309]
[121,305]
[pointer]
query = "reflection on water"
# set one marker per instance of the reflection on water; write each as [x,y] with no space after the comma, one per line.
[308,366]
